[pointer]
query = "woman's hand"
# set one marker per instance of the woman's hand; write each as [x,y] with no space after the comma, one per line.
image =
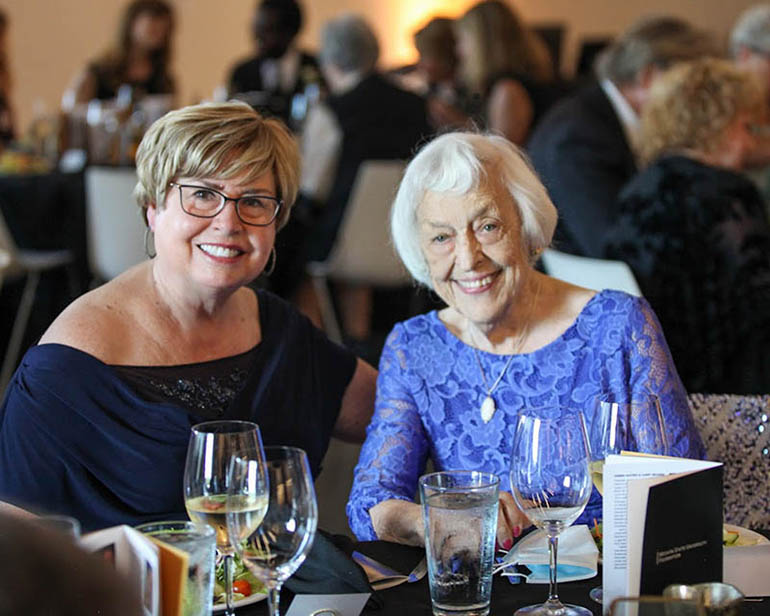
[511,521]
[398,521]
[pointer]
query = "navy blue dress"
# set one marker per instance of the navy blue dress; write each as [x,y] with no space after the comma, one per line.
[76,438]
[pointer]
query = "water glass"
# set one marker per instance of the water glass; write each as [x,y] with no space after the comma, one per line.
[460,517]
[199,542]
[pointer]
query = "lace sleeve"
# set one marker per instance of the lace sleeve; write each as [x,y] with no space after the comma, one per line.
[395,451]
[653,371]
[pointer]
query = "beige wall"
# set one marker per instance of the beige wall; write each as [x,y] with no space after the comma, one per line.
[50,40]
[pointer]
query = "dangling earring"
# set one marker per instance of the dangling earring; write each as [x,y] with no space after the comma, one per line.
[147,232]
[271,269]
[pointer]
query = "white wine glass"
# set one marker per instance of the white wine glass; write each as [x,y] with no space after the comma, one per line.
[206,476]
[617,425]
[276,549]
[551,484]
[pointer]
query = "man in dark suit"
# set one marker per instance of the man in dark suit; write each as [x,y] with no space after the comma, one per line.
[583,147]
[270,79]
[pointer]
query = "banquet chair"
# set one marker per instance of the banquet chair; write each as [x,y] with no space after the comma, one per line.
[736,431]
[29,264]
[115,230]
[5,260]
[590,273]
[362,253]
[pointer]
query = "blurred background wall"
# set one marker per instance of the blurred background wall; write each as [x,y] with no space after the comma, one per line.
[50,40]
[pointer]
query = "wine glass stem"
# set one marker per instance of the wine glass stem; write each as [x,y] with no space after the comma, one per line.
[553,544]
[228,564]
[273,599]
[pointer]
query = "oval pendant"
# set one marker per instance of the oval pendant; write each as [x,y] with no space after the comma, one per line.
[487,409]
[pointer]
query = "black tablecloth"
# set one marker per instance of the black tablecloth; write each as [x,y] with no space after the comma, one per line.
[414,599]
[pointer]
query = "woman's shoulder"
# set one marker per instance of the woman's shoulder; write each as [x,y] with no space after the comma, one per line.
[102,322]
[616,316]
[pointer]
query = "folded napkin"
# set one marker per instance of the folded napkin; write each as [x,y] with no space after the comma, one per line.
[745,567]
[577,557]
[329,570]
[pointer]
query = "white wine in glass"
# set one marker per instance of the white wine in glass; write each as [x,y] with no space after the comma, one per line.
[206,478]
[618,425]
[282,541]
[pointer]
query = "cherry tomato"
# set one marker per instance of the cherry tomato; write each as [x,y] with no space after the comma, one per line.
[242,587]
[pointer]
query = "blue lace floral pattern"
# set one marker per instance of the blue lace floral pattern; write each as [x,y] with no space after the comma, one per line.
[430,390]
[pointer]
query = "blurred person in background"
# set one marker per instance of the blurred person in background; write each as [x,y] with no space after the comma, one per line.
[365,117]
[435,75]
[139,58]
[279,70]
[505,66]
[750,50]
[693,228]
[6,114]
[583,148]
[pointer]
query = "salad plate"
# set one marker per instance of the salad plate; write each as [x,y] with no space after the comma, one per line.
[240,574]
[253,598]
[745,536]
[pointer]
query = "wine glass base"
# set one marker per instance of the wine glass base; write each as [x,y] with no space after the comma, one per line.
[553,609]
[597,594]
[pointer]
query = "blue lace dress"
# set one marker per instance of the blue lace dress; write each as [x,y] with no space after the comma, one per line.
[430,390]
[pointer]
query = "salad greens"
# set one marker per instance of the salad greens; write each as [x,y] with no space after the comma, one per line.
[240,572]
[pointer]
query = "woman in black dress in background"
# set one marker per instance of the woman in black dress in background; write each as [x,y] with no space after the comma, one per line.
[139,58]
[694,230]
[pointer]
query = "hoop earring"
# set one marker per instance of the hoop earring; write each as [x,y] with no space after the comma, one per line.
[147,232]
[271,269]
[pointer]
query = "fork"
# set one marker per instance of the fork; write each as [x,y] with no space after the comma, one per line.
[419,571]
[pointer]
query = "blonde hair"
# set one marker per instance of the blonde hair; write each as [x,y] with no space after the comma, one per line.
[693,103]
[222,140]
[501,43]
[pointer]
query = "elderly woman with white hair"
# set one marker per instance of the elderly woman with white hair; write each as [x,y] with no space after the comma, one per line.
[469,221]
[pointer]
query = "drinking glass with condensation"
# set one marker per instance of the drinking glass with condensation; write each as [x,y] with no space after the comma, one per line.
[460,517]
[199,542]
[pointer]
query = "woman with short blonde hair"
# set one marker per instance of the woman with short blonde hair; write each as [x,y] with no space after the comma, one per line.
[112,389]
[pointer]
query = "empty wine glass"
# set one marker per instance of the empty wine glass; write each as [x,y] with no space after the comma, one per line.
[615,426]
[206,478]
[282,541]
[551,484]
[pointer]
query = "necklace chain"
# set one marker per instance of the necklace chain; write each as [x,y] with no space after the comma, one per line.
[488,407]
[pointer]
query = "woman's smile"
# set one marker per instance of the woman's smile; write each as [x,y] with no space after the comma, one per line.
[477,285]
[221,251]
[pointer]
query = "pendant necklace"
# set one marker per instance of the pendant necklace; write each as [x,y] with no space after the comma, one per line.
[488,406]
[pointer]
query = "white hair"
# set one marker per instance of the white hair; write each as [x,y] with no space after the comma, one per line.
[458,163]
[752,30]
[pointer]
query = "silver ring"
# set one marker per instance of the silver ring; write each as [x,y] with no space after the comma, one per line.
[325,611]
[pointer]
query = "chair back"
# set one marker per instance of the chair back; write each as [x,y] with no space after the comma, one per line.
[7,243]
[590,273]
[115,229]
[5,260]
[362,252]
[736,431]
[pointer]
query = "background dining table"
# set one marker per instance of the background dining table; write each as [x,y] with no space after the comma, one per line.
[413,599]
